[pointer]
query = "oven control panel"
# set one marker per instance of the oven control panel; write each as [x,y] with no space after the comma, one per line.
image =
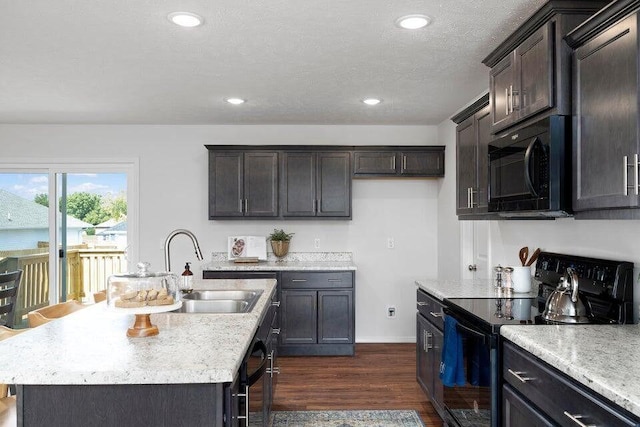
[613,279]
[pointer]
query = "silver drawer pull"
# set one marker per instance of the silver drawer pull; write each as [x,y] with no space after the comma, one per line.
[422,303]
[435,314]
[519,377]
[576,419]
[334,280]
[275,331]
[275,303]
[298,280]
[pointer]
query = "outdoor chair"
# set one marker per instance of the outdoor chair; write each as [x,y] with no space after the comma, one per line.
[9,285]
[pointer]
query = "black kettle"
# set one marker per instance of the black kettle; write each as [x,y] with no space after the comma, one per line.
[564,304]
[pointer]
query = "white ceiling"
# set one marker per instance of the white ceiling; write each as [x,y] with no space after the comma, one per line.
[296,61]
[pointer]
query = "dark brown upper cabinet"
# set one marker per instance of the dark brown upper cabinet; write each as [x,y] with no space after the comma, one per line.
[472,159]
[316,184]
[243,184]
[606,114]
[530,71]
[398,161]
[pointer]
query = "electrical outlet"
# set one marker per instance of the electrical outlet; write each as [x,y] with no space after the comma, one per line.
[391,311]
[316,243]
[391,243]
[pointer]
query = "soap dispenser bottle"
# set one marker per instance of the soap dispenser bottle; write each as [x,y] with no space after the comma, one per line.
[187,279]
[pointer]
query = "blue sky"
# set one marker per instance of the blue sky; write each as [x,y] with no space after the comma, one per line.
[28,185]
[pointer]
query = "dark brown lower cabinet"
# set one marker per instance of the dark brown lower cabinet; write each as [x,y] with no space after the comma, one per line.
[538,393]
[317,314]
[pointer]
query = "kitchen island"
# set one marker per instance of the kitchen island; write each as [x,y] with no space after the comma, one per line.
[603,358]
[83,368]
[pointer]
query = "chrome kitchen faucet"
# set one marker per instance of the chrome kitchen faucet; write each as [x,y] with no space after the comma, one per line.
[167,243]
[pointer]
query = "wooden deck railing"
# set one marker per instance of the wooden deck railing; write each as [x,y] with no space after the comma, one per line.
[87,272]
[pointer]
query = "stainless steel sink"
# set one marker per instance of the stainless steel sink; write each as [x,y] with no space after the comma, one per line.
[219,301]
[222,294]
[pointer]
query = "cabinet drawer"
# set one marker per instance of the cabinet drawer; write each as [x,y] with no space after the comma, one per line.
[338,279]
[431,308]
[557,395]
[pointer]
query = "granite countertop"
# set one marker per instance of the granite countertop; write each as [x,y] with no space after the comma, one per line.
[295,261]
[602,357]
[477,288]
[90,346]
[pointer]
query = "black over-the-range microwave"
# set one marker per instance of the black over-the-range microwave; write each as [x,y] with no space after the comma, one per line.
[530,170]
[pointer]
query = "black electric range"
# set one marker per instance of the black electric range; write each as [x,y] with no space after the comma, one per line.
[605,287]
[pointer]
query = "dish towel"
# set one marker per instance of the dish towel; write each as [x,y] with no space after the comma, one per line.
[452,360]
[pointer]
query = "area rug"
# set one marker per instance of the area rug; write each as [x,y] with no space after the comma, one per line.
[346,419]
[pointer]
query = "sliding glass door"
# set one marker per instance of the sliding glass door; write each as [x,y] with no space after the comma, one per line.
[71,226]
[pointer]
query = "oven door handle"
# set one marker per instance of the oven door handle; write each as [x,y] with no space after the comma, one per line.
[257,374]
[527,166]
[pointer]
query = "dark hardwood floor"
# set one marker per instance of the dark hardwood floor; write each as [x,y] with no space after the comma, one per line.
[379,376]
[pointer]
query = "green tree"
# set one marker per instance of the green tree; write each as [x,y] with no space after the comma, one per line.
[42,199]
[86,207]
[116,206]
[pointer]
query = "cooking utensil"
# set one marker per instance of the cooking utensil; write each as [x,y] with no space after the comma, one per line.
[534,257]
[564,304]
[524,254]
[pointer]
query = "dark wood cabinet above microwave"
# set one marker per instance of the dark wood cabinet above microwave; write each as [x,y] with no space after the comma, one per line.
[530,71]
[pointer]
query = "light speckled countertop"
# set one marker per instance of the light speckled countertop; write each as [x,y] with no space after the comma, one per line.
[442,289]
[294,261]
[91,346]
[601,357]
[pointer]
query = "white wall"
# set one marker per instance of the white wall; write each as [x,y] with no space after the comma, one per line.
[619,240]
[173,194]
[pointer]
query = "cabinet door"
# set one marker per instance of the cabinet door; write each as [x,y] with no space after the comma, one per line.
[534,73]
[299,317]
[260,184]
[335,317]
[483,137]
[374,163]
[298,195]
[605,82]
[422,163]
[517,412]
[501,86]
[424,368]
[334,184]
[465,164]
[437,341]
[225,184]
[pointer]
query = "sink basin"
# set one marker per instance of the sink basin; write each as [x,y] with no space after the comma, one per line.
[222,295]
[220,301]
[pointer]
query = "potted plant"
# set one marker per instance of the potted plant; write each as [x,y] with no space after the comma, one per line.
[280,242]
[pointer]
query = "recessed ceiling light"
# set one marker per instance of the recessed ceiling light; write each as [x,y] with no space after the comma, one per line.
[372,101]
[235,101]
[413,22]
[186,19]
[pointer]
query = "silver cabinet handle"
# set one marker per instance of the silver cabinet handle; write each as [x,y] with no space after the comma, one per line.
[519,376]
[469,198]
[393,162]
[424,341]
[472,267]
[272,369]
[334,280]
[435,314]
[511,98]
[422,303]
[298,280]
[404,162]
[246,205]
[275,331]
[472,203]
[245,417]
[635,174]
[625,173]
[240,205]
[429,345]
[275,303]
[506,101]
[576,419]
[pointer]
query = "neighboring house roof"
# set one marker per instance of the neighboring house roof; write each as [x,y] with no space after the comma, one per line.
[107,224]
[19,213]
[119,228]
